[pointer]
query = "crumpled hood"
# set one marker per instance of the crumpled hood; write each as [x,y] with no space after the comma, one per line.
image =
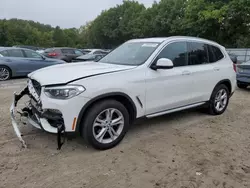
[64,73]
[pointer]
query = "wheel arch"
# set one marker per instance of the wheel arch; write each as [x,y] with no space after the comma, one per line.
[119,96]
[227,83]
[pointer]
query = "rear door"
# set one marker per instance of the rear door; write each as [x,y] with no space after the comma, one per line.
[204,72]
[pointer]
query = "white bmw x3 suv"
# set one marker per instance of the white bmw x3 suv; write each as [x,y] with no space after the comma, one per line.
[141,78]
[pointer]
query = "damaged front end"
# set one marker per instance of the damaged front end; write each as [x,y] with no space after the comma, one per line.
[49,120]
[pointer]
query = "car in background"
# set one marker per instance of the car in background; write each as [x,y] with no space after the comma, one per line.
[89,57]
[95,51]
[35,48]
[16,62]
[64,53]
[243,54]
[243,75]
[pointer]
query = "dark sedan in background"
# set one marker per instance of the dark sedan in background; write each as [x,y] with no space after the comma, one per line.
[243,74]
[63,53]
[16,62]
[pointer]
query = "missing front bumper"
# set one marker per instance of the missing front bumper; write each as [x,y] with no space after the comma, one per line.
[40,122]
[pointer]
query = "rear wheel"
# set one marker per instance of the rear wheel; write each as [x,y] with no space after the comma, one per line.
[5,73]
[106,124]
[241,85]
[219,100]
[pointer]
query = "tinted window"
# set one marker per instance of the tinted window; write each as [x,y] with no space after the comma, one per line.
[15,53]
[67,51]
[197,53]
[215,54]
[31,54]
[218,54]
[4,53]
[177,52]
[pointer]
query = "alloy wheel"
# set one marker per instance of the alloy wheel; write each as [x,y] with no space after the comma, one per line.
[221,100]
[4,73]
[108,125]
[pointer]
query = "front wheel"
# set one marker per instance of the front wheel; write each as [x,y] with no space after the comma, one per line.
[219,100]
[106,124]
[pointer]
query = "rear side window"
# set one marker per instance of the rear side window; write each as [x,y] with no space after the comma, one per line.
[177,52]
[68,51]
[15,53]
[4,53]
[215,54]
[197,53]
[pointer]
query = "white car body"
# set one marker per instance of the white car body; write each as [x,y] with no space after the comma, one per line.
[152,92]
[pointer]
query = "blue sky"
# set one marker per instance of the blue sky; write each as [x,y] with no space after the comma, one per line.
[65,13]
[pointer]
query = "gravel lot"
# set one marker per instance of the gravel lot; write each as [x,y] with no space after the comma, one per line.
[182,150]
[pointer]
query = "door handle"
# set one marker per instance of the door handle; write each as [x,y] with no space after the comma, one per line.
[8,60]
[216,68]
[186,73]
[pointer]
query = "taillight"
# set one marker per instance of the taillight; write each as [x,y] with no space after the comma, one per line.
[53,54]
[234,66]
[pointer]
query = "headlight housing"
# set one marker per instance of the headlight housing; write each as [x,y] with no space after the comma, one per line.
[64,92]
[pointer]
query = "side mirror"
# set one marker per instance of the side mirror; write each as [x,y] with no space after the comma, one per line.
[163,63]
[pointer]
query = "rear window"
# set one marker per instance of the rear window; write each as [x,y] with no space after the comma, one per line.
[68,51]
[215,54]
[49,50]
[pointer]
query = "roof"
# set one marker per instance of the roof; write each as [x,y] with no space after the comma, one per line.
[162,39]
[9,48]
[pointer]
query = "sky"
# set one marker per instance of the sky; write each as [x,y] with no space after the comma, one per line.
[64,13]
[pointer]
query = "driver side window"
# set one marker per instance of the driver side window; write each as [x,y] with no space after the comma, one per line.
[31,54]
[177,52]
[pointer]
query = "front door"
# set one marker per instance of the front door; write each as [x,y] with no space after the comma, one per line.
[171,88]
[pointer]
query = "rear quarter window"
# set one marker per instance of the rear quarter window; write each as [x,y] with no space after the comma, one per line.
[215,54]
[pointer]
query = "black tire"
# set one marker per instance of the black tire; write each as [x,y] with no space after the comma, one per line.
[9,72]
[211,104]
[241,85]
[94,111]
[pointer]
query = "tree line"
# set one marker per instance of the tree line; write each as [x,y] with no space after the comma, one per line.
[224,21]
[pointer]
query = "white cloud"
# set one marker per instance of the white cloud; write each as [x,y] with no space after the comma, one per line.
[65,13]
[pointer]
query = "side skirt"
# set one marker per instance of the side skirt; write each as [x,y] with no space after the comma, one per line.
[175,110]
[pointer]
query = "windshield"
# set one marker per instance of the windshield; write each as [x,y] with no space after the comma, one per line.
[131,53]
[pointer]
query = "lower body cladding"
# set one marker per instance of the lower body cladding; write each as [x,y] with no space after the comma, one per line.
[57,117]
